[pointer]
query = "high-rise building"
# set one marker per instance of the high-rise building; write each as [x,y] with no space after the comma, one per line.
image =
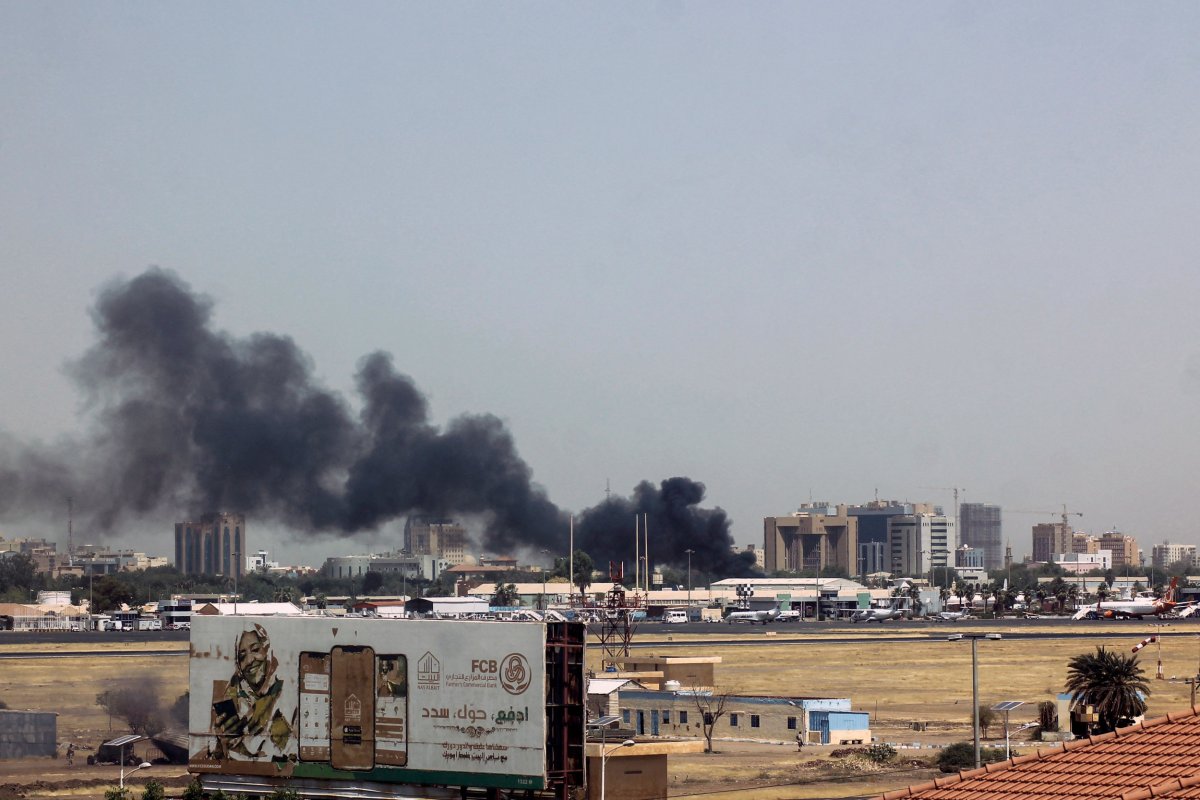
[1165,554]
[1084,544]
[435,536]
[921,543]
[815,537]
[1124,550]
[979,528]
[1051,539]
[216,545]
[873,518]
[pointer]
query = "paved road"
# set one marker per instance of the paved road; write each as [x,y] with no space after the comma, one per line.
[90,637]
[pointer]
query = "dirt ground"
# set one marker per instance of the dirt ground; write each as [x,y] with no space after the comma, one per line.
[922,679]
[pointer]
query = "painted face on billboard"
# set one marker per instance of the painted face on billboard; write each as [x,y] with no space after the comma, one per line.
[254,660]
[245,712]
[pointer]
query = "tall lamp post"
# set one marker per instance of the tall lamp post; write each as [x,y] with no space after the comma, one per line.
[689,555]
[974,637]
[604,759]
[142,765]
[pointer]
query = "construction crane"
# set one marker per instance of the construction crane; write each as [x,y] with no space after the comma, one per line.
[1064,513]
[956,490]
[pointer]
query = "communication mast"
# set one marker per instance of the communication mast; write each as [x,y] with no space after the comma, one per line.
[617,618]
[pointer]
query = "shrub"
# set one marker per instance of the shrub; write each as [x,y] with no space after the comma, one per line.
[114,793]
[961,755]
[285,794]
[882,753]
[154,791]
[987,717]
[193,791]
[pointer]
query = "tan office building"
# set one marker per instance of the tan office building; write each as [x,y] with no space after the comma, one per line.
[813,538]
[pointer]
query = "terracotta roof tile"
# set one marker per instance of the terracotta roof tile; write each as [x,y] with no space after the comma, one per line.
[1158,758]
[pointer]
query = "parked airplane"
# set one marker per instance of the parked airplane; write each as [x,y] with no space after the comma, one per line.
[953,616]
[764,616]
[878,614]
[1134,608]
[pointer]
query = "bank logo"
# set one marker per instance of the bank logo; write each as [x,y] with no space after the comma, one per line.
[515,674]
[429,672]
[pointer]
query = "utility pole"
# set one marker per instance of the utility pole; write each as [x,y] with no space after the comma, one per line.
[689,555]
[70,530]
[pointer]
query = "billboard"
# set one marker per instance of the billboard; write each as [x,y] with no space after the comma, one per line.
[456,703]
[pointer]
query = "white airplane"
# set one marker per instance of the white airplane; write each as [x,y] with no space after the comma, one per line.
[763,616]
[878,614]
[953,616]
[1134,608]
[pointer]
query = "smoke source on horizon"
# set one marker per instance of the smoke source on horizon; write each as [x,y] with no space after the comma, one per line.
[185,419]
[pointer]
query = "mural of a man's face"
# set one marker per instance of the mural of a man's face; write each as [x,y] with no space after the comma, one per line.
[254,656]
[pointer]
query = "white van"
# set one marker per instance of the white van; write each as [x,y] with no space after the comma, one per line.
[675,616]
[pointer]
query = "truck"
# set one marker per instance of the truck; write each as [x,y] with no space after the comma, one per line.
[368,707]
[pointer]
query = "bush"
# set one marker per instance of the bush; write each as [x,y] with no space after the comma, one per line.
[193,791]
[154,791]
[114,793]
[285,794]
[961,755]
[882,753]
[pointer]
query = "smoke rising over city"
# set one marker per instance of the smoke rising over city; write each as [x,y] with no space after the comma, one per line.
[184,419]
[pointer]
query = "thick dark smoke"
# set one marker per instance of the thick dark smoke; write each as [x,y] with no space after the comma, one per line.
[675,522]
[186,419]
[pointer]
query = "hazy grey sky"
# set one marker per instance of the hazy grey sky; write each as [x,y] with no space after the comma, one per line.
[783,249]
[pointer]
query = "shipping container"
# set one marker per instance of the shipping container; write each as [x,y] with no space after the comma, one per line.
[352,707]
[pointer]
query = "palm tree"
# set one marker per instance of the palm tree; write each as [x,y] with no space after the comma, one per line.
[1073,596]
[914,594]
[1112,683]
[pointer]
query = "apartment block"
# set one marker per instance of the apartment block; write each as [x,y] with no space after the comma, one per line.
[1124,549]
[445,539]
[1165,554]
[921,543]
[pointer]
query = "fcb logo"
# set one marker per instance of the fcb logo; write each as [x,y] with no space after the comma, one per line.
[515,674]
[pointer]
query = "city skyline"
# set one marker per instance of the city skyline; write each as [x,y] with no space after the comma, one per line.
[788,252]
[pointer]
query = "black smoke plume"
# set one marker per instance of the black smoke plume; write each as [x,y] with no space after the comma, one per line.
[676,523]
[186,419]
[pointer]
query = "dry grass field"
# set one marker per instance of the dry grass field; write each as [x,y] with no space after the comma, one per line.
[923,678]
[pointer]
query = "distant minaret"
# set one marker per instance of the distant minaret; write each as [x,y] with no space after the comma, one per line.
[70,530]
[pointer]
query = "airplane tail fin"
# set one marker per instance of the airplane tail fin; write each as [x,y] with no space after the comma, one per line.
[1081,613]
[1170,598]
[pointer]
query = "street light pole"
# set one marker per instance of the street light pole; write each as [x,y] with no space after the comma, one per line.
[604,759]
[142,765]
[689,555]
[974,637]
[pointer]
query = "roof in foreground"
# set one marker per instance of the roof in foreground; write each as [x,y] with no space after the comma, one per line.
[1159,758]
